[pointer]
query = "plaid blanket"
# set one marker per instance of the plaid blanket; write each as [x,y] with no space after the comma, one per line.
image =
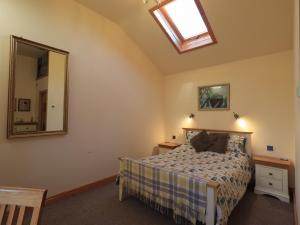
[186,196]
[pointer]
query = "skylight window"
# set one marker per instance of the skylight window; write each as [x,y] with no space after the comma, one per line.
[184,14]
[185,24]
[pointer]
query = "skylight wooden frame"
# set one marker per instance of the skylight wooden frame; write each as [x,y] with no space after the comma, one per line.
[183,45]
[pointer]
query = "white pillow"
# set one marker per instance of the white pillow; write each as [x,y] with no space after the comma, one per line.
[189,135]
[236,143]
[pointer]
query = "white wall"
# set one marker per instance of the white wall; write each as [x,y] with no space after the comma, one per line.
[297,106]
[261,92]
[115,102]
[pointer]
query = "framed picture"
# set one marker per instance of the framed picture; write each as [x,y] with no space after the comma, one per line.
[214,97]
[24,105]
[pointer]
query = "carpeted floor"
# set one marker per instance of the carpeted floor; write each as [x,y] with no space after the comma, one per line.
[101,207]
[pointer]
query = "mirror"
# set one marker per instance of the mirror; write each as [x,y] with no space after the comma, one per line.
[38,89]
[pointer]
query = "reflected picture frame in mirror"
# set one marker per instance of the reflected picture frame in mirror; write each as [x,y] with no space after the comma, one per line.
[54,66]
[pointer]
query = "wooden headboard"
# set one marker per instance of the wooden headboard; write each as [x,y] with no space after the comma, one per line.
[242,133]
[218,131]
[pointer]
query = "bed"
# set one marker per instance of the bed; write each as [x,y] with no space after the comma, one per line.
[197,187]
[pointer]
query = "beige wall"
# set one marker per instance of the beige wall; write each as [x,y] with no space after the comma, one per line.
[116,98]
[25,86]
[297,106]
[115,103]
[261,92]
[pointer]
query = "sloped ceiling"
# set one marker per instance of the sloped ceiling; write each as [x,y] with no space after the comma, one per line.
[243,28]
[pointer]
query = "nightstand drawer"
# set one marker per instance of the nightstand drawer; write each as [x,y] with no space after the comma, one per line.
[269,172]
[269,183]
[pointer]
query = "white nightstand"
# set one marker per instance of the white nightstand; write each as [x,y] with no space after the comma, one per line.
[167,146]
[271,177]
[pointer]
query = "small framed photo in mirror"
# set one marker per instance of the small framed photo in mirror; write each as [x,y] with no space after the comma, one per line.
[24,105]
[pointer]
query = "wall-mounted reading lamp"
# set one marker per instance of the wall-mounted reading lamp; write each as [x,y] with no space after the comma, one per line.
[236,116]
[191,116]
[157,1]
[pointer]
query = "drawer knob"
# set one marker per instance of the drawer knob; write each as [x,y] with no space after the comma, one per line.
[270,174]
[270,184]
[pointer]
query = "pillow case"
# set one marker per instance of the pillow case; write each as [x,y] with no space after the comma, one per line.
[236,143]
[219,142]
[190,134]
[201,141]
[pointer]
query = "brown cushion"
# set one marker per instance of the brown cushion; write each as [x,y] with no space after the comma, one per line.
[218,142]
[201,141]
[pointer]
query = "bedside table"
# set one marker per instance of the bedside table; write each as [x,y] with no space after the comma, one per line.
[271,177]
[167,146]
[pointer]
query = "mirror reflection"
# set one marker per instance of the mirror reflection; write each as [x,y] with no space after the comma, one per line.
[39,90]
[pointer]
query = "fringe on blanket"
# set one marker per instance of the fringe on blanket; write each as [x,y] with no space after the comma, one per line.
[169,211]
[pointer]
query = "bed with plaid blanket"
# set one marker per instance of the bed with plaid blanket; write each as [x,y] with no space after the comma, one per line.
[178,179]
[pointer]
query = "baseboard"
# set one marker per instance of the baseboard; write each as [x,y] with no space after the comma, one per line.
[81,189]
[295,211]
